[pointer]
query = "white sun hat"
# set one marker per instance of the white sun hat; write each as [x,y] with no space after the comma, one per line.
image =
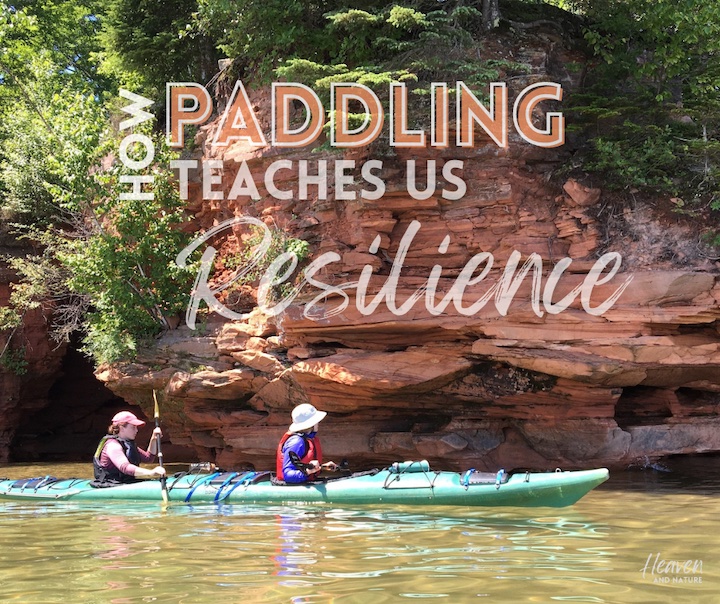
[305,416]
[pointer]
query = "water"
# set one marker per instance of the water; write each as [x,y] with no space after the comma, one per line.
[620,544]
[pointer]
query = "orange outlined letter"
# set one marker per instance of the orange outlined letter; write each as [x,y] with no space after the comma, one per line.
[179,114]
[400,136]
[439,115]
[554,133]
[282,135]
[470,110]
[242,125]
[341,93]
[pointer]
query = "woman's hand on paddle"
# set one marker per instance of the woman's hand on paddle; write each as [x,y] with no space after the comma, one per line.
[158,472]
[155,440]
[314,467]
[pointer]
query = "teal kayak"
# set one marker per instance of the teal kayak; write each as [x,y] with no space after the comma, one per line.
[407,483]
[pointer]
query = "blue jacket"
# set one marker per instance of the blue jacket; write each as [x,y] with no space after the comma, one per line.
[295,443]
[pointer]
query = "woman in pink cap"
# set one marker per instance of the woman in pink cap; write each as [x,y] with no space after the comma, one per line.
[117,458]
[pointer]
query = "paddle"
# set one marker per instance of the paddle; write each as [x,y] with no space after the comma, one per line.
[295,458]
[163,479]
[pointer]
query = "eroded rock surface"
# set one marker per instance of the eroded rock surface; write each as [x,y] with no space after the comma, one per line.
[510,384]
[517,385]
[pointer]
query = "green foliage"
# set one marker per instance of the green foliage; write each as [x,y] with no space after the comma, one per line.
[665,46]
[407,18]
[50,111]
[14,361]
[61,34]
[260,34]
[51,121]
[126,267]
[280,243]
[416,44]
[368,36]
[42,285]
[39,280]
[354,31]
[653,107]
[645,156]
[106,265]
[117,281]
[65,132]
[157,42]
[24,296]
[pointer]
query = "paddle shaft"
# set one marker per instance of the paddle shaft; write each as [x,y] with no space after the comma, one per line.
[163,479]
[297,462]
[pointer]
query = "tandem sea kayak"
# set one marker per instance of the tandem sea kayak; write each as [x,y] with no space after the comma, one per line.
[406,483]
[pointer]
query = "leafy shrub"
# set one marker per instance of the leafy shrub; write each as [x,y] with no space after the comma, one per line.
[280,243]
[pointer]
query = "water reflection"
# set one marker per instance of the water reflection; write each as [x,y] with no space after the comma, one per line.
[317,554]
[292,553]
[592,552]
[114,540]
[391,549]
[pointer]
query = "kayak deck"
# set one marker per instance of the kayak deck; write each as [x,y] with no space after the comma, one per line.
[410,483]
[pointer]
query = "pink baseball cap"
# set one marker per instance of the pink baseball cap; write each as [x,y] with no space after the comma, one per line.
[125,417]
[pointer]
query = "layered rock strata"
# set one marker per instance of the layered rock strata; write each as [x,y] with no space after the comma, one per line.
[519,388]
[571,390]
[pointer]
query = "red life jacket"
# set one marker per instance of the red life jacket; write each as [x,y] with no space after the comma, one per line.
[313,450]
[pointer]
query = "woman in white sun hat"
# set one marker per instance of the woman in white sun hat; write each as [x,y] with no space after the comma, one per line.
[117,458]
[302,440]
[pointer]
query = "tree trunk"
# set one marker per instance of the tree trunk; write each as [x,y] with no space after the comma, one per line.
[490,14]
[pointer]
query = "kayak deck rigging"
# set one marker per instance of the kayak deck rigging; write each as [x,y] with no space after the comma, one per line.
[407,483]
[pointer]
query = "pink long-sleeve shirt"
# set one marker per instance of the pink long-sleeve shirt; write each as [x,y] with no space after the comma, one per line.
[114,455]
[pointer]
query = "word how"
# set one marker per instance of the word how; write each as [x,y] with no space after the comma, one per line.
[139,115]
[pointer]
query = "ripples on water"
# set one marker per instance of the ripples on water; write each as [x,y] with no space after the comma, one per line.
[594,551]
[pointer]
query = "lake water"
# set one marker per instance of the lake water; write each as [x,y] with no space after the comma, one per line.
[643,537]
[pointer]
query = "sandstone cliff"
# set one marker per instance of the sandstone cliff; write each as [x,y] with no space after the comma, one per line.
[520,389]
[570,389]
[25,384]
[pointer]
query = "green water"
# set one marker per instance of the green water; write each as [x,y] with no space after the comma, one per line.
[627,541]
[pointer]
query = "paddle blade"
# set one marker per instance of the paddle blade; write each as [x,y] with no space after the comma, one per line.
[295,459]
[157,407]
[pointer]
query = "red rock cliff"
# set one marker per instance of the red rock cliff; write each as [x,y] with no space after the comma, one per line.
[34,366]
[521,388]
